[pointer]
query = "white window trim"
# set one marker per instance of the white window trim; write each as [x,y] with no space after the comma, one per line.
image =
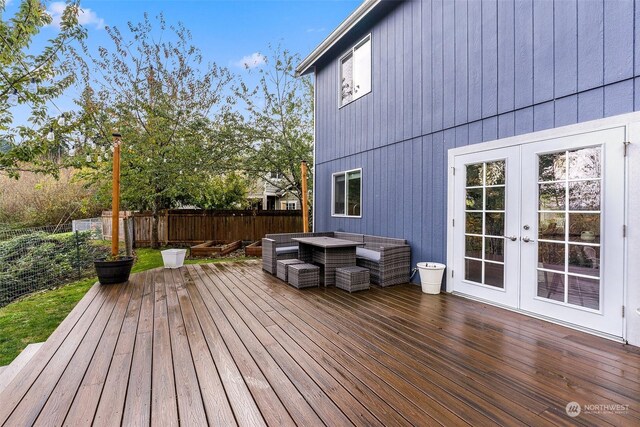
[346,194]
[285,205]
[351,52]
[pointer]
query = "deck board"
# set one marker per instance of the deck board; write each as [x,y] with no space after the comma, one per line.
[228,344]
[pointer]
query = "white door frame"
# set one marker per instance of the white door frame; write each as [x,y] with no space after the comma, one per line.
[624,120]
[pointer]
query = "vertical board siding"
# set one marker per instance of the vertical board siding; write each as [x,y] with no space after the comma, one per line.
[506,54]
[489,57]
[590,44]
[565,47]
[543,46]
[451,73]
[618,40]
[523,34]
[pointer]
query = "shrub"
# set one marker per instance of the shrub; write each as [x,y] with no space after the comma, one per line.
[38,261]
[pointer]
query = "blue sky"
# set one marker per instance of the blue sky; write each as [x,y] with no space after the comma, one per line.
[225,30]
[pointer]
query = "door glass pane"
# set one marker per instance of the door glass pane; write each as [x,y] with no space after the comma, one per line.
[494,274]
[551,226]
[552,167]
[584,260]
[473,223]
[473,246]
[495,173]
[584,292]
[494,249]
[551,285]
[552,196]
[474,199]
[569,237]
[584,163]
[495,198]
[494,224]
[584,196]
[584,227]
[551,256]
[474,175]
[473,270]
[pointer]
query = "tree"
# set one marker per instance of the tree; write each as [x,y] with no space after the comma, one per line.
[278,130]
[221,192]
[35,80]
[170,109]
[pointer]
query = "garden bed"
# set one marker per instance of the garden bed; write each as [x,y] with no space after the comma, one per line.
[254,249]
[214,248]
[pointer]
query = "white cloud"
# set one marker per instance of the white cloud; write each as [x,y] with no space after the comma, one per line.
[251,61]
[86,17]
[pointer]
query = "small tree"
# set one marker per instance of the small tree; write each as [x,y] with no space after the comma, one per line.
[33,79]
[278,130]
[169,108]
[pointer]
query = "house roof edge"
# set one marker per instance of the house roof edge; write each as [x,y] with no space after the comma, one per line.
[352,20]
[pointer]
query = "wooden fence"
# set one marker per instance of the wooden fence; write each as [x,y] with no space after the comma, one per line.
[187,227]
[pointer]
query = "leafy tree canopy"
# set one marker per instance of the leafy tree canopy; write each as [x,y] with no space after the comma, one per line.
[33,78]
[278,125]
[173,112]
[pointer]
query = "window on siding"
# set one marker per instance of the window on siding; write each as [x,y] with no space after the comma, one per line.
[290,206]
[347,193]
[355,72]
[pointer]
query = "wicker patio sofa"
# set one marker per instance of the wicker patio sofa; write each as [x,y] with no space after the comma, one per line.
[280,246]
[388,259]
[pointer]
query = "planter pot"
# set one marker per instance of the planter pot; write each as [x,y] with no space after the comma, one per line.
[111,272]
[431,276]
[173,258]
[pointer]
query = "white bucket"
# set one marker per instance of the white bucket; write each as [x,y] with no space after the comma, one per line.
[173,258]
[431,276]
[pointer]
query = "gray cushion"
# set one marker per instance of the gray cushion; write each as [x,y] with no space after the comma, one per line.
[286,250]
[368,254]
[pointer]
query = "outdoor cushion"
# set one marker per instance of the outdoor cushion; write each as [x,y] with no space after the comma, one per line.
[369,254]
[287,250]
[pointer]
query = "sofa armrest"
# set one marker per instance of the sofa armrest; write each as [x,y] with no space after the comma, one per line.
[269,257]
[390,251]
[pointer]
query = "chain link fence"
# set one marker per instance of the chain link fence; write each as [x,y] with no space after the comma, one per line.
[88,224]
[45,257]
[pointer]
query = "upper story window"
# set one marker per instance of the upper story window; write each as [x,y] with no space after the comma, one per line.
[275,175]
[355,72]
[347,193]
[290,206]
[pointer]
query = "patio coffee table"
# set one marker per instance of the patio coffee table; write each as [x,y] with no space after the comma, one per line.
[329,252]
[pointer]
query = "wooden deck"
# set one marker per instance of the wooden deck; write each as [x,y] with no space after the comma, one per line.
[228,344]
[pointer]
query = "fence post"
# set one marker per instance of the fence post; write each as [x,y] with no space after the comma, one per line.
[78,254]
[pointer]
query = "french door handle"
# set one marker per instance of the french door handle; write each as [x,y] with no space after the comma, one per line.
[526,239]
[512,238]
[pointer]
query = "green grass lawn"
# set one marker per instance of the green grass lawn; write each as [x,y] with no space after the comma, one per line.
[32,319]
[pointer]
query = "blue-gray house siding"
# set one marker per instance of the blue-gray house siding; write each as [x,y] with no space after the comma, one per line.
[450,73]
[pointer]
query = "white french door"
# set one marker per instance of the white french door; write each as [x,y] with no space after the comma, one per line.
[541,228]
[487,218]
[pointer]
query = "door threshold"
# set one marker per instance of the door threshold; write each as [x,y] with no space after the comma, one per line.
[545,318]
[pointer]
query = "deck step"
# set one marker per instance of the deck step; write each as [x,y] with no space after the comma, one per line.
[9,372]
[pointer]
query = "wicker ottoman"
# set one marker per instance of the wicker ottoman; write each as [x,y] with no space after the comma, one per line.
[352,278]
[304,275]
[282,267]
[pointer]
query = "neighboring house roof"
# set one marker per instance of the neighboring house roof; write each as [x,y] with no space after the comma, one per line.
[365,10]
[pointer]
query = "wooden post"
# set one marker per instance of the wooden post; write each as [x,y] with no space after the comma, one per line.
[115,197]
[305,207]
